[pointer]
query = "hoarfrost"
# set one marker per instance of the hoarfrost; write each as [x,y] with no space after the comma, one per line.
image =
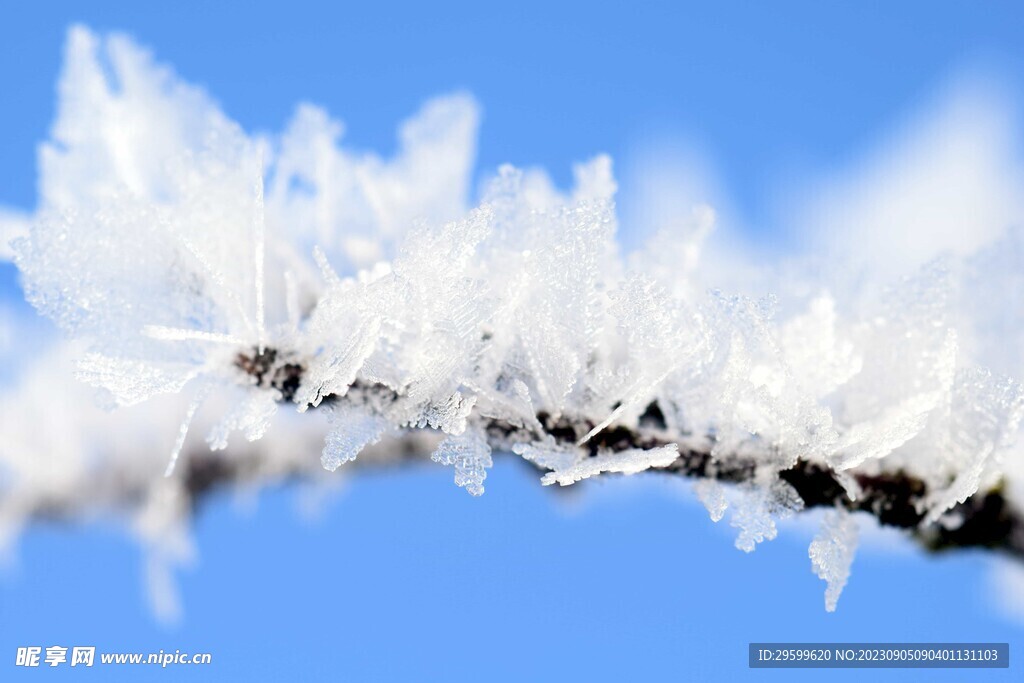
[470,455]
[832,552]
[548,454]
[130,381]
[251,416]
[626,462]
[758,509]
[352,430]
[712,495]
[194,263]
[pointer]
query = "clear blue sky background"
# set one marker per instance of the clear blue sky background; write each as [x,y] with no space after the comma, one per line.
[405,577]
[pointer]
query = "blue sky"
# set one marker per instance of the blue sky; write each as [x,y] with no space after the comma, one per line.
[404,577]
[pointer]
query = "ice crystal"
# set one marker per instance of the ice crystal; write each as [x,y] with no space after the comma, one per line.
[352,430]
[470,455]
[758,509]
[251,416]
[712,495]
[832,553]
[626,462]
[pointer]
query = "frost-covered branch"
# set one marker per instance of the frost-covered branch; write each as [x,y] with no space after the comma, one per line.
[251,285]
[897,499]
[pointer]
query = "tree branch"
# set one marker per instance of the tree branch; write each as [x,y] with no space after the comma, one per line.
[895,499]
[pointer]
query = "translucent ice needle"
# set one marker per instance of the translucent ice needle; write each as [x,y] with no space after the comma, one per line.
[326,270]
[179,334]
[260,249]
[193,407]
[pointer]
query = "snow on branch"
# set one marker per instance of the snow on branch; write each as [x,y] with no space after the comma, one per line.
[253,285]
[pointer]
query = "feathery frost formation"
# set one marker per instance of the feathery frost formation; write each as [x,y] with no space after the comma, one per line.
[244,280]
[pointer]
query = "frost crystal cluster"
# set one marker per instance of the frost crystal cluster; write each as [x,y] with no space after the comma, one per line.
[254,285]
